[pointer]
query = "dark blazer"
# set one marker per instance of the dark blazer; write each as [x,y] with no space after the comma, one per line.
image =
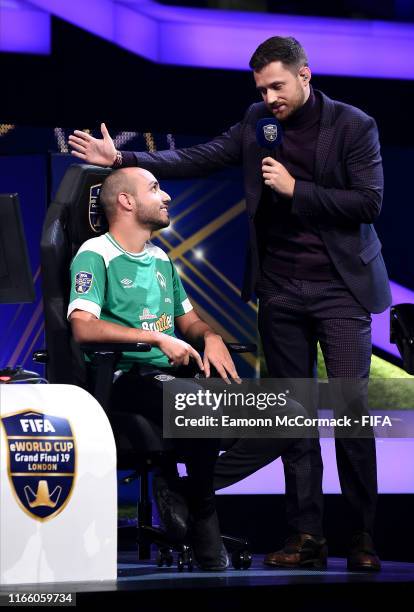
[343,201]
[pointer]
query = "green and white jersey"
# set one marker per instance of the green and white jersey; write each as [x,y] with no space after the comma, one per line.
[141,290]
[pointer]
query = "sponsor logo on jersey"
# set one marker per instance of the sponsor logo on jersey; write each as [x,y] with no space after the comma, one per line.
[41,458]
[83,282]
[127,283]
[161,280]
[97,219]
[162,324]
[167,300]
[146,314]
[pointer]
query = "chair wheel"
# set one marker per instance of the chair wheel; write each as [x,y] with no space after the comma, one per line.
[180,562]
[165,557]
[241,559]
[185,559]
[169,560]
[190,565]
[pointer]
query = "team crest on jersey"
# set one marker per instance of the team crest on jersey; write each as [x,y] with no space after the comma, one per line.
[41,457]
[146,314]
[97,219]
[161,280]
[83,282]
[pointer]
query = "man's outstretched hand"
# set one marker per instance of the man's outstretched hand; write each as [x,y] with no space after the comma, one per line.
[100,152]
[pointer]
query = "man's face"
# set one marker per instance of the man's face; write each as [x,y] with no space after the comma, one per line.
[283,89]
[151,203]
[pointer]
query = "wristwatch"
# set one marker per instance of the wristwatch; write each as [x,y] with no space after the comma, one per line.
[118,160]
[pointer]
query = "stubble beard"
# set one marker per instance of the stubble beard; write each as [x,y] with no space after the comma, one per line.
[295,105]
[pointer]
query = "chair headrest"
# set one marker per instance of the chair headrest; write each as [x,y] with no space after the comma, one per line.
[79,194]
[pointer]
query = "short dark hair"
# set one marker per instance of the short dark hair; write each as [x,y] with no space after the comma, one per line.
[285,49]
[113,185]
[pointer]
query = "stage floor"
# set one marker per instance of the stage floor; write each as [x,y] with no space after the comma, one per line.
[167,589]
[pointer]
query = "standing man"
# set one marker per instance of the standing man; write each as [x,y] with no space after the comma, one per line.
[314,260]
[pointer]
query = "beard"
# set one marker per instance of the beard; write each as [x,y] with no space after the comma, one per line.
[151,219]
[297,101]
[159,224]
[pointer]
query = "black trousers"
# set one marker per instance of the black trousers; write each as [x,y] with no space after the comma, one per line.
[146,383]
[293,316]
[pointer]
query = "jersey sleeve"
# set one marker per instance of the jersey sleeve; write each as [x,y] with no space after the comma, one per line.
[181,302]
[88,283]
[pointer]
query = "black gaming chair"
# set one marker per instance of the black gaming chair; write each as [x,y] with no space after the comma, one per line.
[73,217]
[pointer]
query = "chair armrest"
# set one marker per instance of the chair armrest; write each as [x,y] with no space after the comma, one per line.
[104,357]
[40,356]
[402,333]
[115,347]
[238,347]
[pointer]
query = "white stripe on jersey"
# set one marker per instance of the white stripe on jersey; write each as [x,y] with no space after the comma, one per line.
[102,246]
[186,306]
[82,304]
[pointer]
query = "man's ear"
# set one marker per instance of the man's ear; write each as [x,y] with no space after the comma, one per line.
[305,74]
[125,201]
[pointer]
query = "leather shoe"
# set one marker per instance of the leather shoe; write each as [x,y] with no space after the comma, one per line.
[172,508]
[208,548]
[301,550]
[362,555]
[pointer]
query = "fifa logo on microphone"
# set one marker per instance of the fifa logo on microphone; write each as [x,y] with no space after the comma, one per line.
[270,132]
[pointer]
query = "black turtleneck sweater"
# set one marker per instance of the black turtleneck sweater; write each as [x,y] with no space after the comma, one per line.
[289,245]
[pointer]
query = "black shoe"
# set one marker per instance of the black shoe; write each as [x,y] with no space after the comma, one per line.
[362,555]
[172,509]
[208,548]
[301,550]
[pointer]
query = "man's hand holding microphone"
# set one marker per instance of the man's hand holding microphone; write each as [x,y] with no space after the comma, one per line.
[269,135]
[277,177]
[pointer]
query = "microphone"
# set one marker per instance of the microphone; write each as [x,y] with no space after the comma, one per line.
[269,133]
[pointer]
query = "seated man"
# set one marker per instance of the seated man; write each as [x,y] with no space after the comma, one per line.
[125,289]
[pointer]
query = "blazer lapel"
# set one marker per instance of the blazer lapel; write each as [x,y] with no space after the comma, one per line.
[326,135]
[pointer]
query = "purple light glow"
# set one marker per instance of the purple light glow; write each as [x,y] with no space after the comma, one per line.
[226,39]
[23,28]
[391,455]
[96,16]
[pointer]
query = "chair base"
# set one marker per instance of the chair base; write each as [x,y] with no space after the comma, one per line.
[148,535]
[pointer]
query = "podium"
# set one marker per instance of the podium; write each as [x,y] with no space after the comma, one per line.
[58,486]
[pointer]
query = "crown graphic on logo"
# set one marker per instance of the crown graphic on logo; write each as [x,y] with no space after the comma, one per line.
[42,497]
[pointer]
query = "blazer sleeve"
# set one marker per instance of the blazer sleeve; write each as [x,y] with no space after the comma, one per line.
[361,200]
[196,161]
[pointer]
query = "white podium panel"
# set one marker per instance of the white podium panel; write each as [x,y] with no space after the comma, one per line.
[58,488]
